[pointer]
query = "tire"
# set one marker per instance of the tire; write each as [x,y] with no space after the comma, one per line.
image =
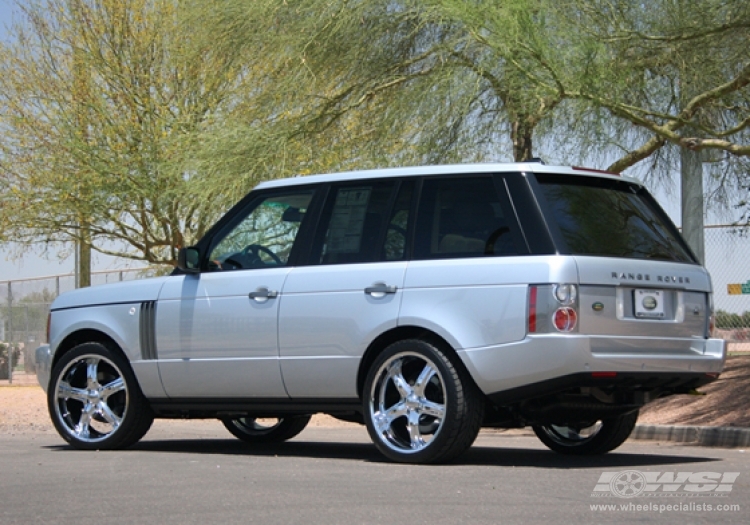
[257,431]
[601,437]
[94,399]
[420,406]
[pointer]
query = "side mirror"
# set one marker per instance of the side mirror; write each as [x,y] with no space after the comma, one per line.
[188,260]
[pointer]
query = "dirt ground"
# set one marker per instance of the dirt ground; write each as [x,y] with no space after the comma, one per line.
[23,409]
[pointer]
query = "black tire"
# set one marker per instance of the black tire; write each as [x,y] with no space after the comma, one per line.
[420,406]
[94,399]
[252,430]
[606,435]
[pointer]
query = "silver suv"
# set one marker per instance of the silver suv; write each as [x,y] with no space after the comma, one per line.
[425,303]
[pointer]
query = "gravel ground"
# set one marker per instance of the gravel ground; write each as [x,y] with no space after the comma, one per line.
[23,409]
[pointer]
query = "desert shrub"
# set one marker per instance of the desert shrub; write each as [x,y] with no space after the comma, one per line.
[4,359]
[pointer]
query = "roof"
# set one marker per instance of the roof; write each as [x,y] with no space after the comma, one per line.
[450,169]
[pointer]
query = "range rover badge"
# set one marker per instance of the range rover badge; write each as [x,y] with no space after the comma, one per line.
[597,306]
[649,302]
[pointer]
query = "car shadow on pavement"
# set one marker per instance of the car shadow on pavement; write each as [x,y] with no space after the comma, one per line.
[366,452]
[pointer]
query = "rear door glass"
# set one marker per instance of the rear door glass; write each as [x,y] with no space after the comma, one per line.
[610,218]
[462,217]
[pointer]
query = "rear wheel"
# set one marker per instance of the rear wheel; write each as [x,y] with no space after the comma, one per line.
[419,406]
[590,438]
[95,401]
[266,430]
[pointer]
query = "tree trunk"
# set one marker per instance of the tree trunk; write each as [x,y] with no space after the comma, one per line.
[84,258]
[521,135]
[691,176]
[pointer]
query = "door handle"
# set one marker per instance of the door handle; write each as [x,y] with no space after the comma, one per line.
[380,289]
[262,294]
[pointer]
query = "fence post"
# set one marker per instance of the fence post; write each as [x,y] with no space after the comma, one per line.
[10,333]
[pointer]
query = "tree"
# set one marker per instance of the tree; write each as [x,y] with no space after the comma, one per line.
[101,104]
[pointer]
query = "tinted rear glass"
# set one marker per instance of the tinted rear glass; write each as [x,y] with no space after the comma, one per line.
[610,218]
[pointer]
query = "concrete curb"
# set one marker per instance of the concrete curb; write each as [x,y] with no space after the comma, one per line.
[727,437]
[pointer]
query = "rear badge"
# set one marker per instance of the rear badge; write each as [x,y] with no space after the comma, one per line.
[598,307]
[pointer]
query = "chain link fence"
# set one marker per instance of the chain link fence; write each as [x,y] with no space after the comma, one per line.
[24,304]
[728,260]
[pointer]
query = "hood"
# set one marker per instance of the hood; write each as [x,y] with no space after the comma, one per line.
[114,293]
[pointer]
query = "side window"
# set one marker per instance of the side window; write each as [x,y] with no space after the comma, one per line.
[461,217]
[353,223]
[398,225]
[264,238]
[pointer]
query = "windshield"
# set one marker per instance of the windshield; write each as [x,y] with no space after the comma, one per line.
[610,218]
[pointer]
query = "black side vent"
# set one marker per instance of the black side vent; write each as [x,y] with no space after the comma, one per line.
[148,333]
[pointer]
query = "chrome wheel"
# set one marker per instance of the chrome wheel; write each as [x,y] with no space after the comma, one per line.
[407,402]
[588,438]
[418,406]
[266,430]
[572,436]
[94,400]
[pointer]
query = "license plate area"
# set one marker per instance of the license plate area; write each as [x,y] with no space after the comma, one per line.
[649,303]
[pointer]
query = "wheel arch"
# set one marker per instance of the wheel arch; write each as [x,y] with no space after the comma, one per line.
[401,333]
[86,335]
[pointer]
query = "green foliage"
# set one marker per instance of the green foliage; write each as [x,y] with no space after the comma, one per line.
[136,123]
[729,321]
[4,359]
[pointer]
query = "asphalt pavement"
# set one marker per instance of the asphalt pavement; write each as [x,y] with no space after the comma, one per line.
[199,474]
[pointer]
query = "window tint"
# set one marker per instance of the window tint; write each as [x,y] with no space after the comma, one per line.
[461,217]
[353,223]
[610,218]
[264,238]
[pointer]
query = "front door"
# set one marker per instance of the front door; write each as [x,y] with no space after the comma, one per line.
[216,332]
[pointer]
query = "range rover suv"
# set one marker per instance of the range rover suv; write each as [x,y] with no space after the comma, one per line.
[425,303]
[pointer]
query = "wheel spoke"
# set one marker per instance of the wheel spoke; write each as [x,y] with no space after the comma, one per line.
[385,418]
[415,436]
[427,373]
[111,418]
[118,385]
[82,429]
[65,391]
[92,372]
[436,410]
[396,411]
[395,375]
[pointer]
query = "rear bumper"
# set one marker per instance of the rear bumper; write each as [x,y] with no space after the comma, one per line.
[542,364]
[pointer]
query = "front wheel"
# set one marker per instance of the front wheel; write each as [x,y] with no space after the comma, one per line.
[266,430]
[419,405]
[592,438]
[95,401]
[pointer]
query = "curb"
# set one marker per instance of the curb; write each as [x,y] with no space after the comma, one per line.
[727,437]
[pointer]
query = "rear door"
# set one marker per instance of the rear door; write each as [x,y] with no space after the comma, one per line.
[350,291]
[468,278]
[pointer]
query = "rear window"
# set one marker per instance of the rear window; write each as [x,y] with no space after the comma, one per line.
[610,218]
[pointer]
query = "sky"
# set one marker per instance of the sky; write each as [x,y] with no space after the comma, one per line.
[727,260]
[37,263]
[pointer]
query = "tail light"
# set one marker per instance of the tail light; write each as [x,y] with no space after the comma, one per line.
[553,308]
